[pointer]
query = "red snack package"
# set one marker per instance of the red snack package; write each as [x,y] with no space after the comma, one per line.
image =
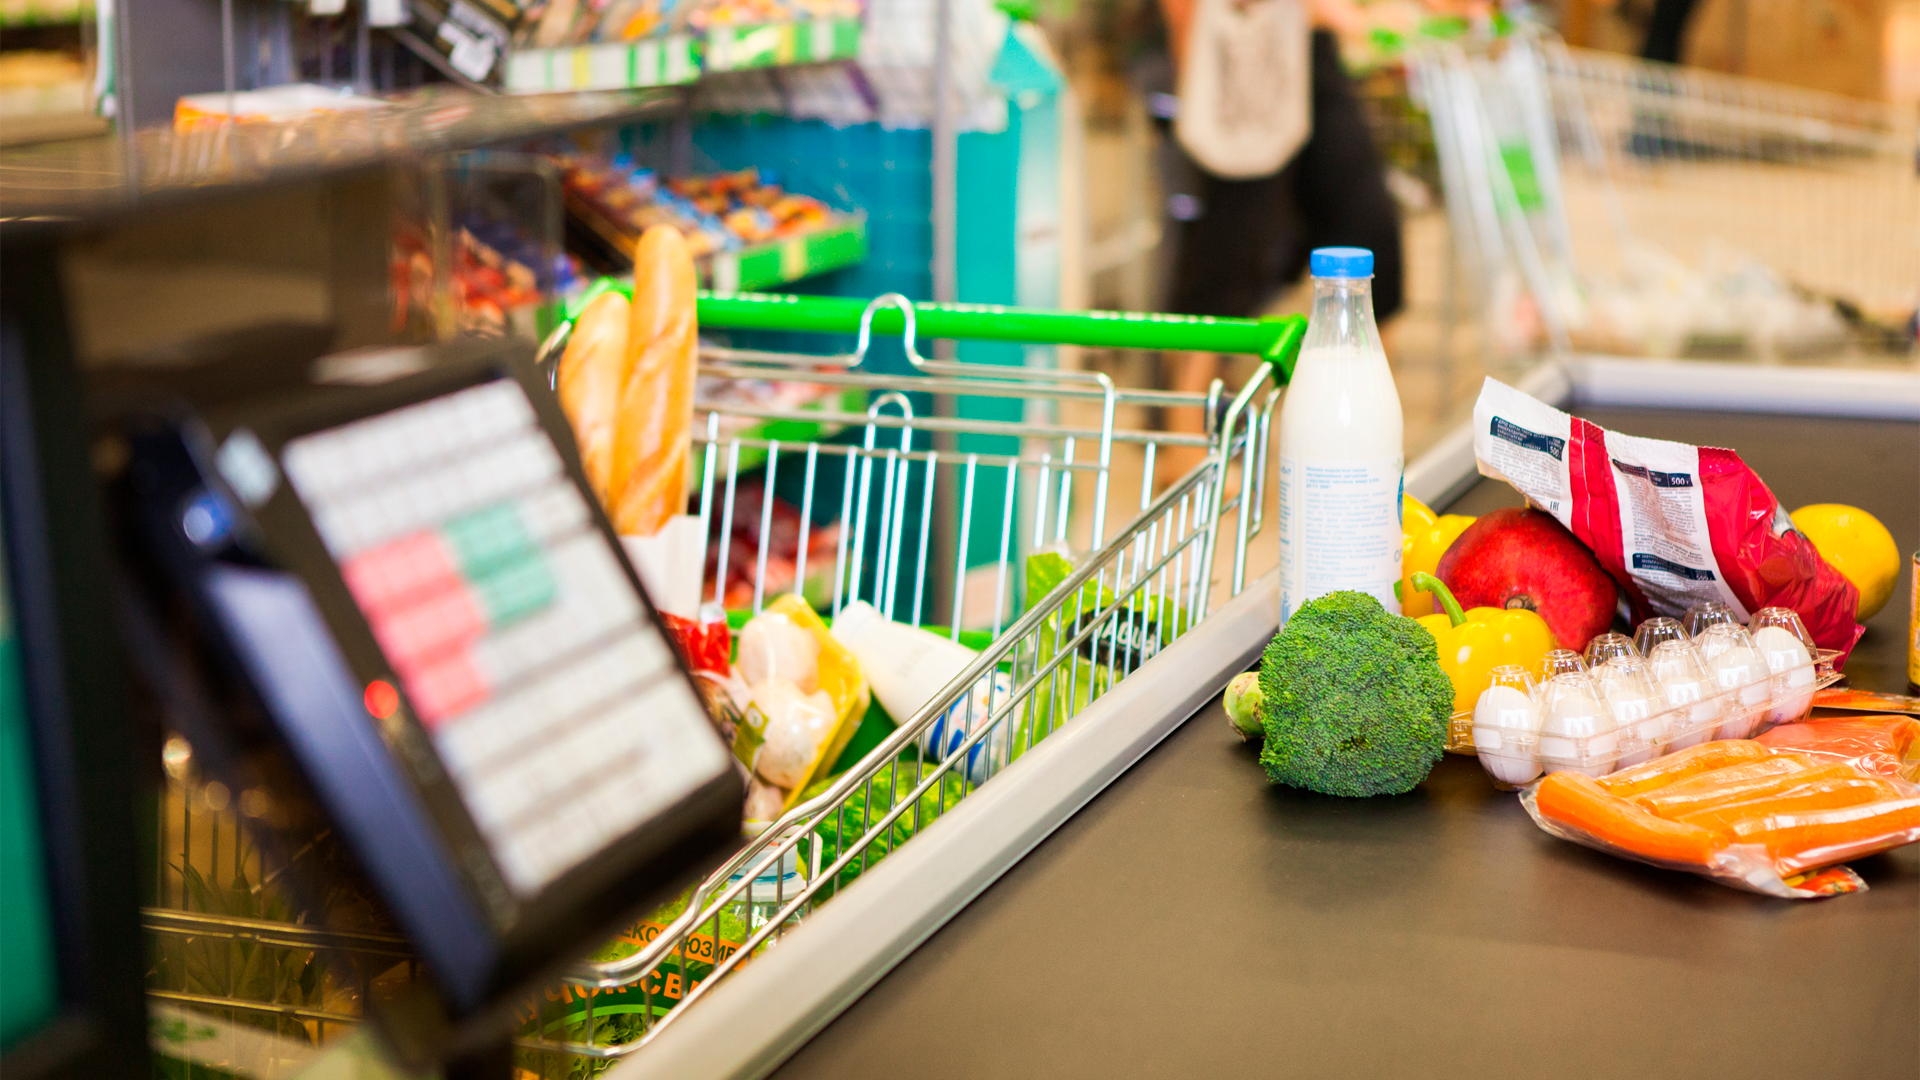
[1881,745]
[1674,524]
[706,646]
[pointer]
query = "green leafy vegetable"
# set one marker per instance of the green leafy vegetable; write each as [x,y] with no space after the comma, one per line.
[1353,699]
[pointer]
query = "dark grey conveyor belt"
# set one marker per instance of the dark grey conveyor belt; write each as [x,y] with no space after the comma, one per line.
[1192,921]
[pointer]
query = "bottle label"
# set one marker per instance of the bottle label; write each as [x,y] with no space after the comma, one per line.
[1339,529]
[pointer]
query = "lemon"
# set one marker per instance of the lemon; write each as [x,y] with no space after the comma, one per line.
[1856,544]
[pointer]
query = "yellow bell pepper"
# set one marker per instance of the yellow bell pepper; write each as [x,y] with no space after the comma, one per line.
[1426,537]
[1473,643]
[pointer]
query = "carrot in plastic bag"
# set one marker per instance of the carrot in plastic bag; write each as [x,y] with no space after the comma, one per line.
[1877,744]
[1831,793]
[1673,768]
[1801,841]
[1723,787]
[1579,802]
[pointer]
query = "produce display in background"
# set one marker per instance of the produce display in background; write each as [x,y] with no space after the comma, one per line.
[548,23]
[610,202]
[495,286]
[45,92]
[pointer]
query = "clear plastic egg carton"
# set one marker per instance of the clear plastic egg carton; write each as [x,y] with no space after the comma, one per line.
[1672,685]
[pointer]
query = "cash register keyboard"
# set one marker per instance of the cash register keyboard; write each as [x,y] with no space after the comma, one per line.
[522,646]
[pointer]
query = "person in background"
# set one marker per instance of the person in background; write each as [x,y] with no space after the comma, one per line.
[1239,239]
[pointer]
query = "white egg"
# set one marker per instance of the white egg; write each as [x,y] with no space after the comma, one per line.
[1741,669]
[1504,722]
[1579,732]
[1634,716]
[1694,710]
[1792,668]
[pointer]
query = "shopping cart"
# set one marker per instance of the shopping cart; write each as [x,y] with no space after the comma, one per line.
[830,476]
[1607,204]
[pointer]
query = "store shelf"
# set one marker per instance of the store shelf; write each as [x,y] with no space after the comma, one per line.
[679,58]
[739,48]
[667,61]
[782,261]
[84,177]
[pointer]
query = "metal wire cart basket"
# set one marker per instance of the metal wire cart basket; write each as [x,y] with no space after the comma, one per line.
[957,488]
[1605,204]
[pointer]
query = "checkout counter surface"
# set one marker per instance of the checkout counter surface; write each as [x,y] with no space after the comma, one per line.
[1195,921]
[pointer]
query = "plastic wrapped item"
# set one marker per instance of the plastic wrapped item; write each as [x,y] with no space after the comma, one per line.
[706,644]
[1577,731]
[1881,745]
[1625,709]
[807,696]
[1782,640]
[1687,689]
[1676,525]
[1626,685]
[1506,725]
[1705,614]
[908,666]
[1738,812]
[1605,647]
[1738,668]
[1657,631]
[1562,662]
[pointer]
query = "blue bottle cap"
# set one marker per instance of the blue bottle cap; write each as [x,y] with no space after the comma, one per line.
[1341,262]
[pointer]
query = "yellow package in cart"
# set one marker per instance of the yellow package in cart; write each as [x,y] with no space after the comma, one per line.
[807,697]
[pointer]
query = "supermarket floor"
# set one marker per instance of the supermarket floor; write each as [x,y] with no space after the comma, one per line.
[1194,921]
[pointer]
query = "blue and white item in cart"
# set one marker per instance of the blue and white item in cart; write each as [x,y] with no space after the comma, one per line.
[907,666]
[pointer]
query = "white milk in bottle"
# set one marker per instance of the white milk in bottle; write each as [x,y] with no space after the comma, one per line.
[1340,446]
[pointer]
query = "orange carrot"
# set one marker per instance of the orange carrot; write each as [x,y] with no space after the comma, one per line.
[1579,802]
[1673,768]
[1832,793]
[1878,744]
[1802,841]
[1725,787]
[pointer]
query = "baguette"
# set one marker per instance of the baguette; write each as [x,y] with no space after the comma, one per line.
[647,484]
[592,373]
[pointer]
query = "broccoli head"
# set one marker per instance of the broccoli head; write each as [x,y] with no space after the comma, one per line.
[1353,699]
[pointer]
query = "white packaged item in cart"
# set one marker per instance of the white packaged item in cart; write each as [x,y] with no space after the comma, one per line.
[1341,446]
[670,564]
[907,666]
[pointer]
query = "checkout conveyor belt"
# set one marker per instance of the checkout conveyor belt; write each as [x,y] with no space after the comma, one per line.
[1193,920]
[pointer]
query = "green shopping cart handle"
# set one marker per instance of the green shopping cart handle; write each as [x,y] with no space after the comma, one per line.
[1274,339]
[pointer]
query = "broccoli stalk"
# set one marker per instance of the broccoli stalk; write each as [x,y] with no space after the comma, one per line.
[1352,699]
[1242,699]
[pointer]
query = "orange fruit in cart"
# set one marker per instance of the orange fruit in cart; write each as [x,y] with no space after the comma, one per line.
[1854,542]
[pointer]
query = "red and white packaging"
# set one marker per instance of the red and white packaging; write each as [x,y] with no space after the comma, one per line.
[1674,524]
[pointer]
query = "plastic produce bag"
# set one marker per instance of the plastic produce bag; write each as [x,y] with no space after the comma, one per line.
[1124,639]
[807,697]
[1882,745]
[1675,524]
[1738,812]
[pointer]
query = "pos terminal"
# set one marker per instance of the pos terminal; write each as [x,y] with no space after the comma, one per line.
[430,621]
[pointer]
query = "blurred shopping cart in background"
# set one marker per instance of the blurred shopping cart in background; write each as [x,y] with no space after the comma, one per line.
[819,475]
[1605,204]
